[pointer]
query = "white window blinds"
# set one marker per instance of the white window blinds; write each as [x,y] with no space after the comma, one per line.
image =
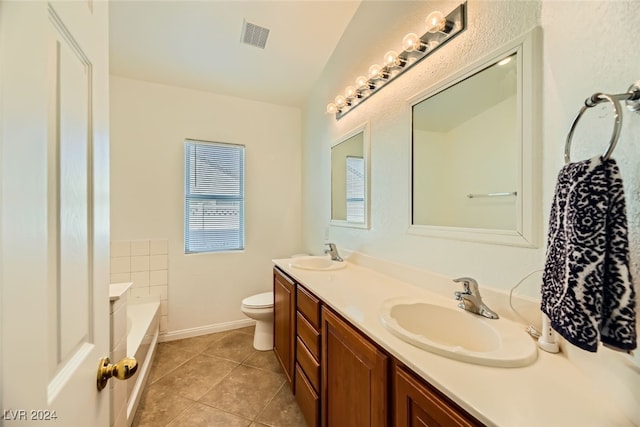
[214,197]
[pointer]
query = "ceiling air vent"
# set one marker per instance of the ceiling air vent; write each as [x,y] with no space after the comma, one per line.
[254,35]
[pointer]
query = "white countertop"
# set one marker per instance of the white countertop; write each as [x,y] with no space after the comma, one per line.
[549,392]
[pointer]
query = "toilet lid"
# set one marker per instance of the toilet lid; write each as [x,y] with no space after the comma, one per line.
[259,301]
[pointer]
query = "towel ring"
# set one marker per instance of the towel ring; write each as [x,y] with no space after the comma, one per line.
[592,102]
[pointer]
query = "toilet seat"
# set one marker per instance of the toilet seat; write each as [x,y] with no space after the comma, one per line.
[263,300]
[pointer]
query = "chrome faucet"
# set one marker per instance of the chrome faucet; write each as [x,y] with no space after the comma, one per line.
[471,300]
[333,251]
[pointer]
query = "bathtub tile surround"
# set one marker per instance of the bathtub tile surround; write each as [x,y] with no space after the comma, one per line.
[216,379]
[146,264]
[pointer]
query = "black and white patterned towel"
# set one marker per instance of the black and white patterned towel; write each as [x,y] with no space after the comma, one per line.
[587,290]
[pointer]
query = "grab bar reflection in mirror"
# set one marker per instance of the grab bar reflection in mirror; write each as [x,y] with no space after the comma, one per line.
[508,193]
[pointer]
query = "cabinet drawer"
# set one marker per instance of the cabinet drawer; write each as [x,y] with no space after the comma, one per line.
[309,365]
[309,336]
[307,399]
[309,305]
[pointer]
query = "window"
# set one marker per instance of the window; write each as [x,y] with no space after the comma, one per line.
[355,189]
[214,197]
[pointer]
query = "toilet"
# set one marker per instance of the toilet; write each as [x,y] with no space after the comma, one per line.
[260,308]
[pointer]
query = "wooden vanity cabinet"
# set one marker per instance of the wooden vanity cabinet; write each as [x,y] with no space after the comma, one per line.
[354,377]
[308,355]
[341,378]
[284,324]
[416,403]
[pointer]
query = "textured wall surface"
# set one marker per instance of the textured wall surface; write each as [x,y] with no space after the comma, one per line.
[588,47]
[591,47]
[491,25]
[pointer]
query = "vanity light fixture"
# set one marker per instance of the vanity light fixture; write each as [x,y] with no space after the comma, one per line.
[439,30]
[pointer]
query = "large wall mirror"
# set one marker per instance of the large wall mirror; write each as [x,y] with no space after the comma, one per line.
[475,150]
[350,179]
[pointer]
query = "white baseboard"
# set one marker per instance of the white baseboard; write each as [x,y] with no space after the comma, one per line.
[204,330]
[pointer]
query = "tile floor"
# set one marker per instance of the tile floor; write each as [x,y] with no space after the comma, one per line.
[216,380]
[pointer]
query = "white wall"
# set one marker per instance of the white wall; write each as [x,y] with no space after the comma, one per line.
[149,123]
[588,47]
[581,56]
[490,25]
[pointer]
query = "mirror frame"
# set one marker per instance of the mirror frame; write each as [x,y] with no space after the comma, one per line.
[366,151]
[528,203]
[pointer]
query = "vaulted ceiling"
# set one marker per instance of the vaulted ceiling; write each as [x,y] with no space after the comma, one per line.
[197,44]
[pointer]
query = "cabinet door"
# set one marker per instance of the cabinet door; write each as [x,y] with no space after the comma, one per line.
[284,326]
[354,377]
[416,405]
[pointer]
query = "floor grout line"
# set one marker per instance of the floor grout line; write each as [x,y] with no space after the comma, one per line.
[181,413]
[268,403]
[235,345]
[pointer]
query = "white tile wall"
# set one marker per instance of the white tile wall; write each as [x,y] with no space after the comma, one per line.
[140,278]
[158,262]
[121,265]
[160,277]
[142,292]
[139,247]
[120,277]
[146,264]
[140,263]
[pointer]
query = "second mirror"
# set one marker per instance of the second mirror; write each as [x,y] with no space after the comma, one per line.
[350,179]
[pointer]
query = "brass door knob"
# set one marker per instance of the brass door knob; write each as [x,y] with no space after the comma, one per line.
[122,370]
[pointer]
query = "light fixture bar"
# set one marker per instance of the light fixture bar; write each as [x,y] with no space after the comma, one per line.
[440,30]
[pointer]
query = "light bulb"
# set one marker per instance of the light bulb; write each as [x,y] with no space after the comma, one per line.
[412,42]
[340,101]
[331,108]
[390,57]
[361,82]
[435,22]
[374,71]
[349,91]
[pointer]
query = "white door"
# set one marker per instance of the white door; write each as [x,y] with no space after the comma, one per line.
[54,211]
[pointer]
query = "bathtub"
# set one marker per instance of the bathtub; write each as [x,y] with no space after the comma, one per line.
[143,320]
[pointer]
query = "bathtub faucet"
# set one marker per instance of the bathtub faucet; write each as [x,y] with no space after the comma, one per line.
[333,251]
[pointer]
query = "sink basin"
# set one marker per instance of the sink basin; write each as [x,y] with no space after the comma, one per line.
[458,334]
[318,263]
